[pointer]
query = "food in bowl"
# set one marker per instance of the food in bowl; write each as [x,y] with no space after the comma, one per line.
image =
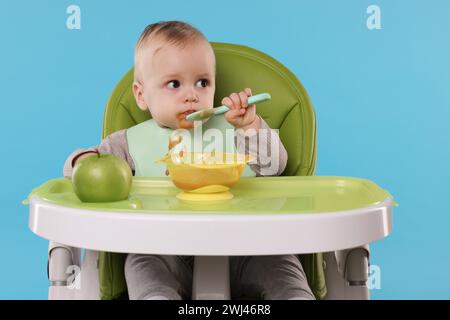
[194,170]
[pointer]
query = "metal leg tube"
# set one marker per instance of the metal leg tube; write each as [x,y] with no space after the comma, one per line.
[62,270]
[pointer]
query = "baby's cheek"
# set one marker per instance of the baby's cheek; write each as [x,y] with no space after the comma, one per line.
[158,113]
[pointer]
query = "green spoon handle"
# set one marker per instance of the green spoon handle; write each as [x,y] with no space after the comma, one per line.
[251,100]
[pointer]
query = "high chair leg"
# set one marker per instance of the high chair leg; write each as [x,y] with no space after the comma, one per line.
[89,286]
[70,278]
[211,278]
[62,267]
[346,274]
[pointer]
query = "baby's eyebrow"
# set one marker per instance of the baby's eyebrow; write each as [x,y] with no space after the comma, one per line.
[171,76]
[204,75]
[175,76]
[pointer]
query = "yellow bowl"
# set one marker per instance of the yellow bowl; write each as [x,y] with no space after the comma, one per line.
[209,171]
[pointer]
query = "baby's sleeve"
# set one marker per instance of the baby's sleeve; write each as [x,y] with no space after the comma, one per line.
[116,144]
[270,155]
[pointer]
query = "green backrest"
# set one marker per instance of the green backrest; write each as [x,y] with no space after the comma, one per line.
[289,110]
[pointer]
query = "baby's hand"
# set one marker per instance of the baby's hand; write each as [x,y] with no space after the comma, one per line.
[241,115]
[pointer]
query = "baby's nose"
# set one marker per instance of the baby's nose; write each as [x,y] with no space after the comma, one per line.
[191,98]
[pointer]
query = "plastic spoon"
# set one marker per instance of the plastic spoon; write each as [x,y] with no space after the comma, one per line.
[203,114]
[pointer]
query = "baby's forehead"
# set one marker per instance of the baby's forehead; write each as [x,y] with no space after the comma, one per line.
[160,55]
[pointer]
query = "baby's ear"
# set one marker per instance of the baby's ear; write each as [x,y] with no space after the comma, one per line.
[138,92]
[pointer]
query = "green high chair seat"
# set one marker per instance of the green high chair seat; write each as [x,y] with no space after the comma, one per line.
[289,110]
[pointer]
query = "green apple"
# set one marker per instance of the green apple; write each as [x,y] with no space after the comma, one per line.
[101,178]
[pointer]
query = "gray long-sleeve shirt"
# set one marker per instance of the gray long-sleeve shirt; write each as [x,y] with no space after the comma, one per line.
[269,153]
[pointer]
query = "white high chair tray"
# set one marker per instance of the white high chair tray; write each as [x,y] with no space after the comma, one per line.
[268,215]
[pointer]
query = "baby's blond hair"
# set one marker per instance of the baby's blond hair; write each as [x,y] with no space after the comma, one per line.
[178,33]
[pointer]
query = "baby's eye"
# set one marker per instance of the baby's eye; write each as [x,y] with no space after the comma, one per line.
[201,83]
[173,84]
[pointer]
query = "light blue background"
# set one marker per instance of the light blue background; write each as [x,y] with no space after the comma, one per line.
[382,100]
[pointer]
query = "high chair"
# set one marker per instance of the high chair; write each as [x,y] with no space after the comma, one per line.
[338,270]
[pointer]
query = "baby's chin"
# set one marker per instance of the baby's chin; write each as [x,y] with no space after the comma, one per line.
[184,124]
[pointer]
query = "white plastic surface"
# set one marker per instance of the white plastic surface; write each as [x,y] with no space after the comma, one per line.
[204,234]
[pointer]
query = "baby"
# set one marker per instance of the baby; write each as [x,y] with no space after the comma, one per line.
[175,76]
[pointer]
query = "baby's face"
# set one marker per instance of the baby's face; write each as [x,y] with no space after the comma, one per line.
[176,82]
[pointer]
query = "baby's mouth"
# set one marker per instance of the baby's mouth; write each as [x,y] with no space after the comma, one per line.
[186,113]
[181,119]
